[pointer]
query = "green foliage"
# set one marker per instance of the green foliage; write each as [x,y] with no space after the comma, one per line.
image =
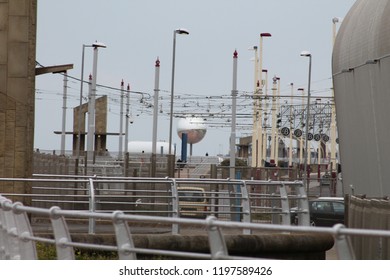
[48,252]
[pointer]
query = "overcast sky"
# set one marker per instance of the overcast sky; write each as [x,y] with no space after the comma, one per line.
[136,32]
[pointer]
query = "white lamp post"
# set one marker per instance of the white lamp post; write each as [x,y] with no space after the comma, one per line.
[307,54]
[81,102]
[302,90]
[155,105]
[64,99]
[127,118]
[290,151]
[120,144]
[233,128]
[177,31]
[263,138]
[91,120]
[155,116]
[273,113]
[265,121]
[256,112]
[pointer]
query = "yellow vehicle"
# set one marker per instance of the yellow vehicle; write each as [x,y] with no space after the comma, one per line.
[193,202]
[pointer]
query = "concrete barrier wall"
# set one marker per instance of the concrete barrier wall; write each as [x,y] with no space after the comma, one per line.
[269,246]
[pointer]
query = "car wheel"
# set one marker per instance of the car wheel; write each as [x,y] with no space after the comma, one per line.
[312,223]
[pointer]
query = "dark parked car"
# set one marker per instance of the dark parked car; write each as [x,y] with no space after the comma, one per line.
[325,211]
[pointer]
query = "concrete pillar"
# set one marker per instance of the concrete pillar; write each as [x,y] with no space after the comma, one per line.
[17,86]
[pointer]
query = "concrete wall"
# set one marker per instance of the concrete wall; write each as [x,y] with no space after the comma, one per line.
[17,87]
[100,125]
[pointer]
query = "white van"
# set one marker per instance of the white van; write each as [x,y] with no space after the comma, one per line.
[193,202]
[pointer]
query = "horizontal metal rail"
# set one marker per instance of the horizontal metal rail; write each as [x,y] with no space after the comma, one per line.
[237,200]
[17,240]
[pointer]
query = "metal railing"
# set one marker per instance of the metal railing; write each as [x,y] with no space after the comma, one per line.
[231,200]
[17,240]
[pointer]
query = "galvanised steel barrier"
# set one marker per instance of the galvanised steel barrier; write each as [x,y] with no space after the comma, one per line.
[17,240]
[232,200]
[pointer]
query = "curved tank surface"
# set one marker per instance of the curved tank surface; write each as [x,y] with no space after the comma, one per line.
[145,147]
[361,71]
[194,127]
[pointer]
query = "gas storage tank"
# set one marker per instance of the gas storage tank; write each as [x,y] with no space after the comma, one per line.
[194,127]
[361,71]
[145,147]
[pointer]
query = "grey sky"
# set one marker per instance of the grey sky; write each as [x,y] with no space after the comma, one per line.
[137,32]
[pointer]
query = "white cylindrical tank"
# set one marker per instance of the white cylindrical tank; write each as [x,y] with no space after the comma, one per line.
[194,127]
[139,147]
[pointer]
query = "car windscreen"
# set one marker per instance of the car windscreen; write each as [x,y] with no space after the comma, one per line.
[321,206]
[338,207]
[191,195]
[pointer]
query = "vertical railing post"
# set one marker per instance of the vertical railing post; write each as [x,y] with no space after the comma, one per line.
[27,246]
[3,232]
[217,242]
[275,218]
[303,207]
[343,244]
[61,235]
[246,207]
[175,206]
[124,239]
[286,220]
[92,207]
[11,242]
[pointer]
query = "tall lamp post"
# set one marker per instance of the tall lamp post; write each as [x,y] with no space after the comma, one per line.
[81,102]
[181,31]
[256,112]
[290,151]
[264,120]
[64,99]
[307,54]
[273,126]
[232,172]
[120,144]
[302,90]
[155,116]
[262,36]
[263,140]
[127,119]
[91,120]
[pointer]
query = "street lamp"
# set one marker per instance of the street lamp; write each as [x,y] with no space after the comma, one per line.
[262,35]
[81,101]
[266,118]
[307,54]
[180,31]
[302,90]
[64,99]
[262,138]
[91,119]
[273,114]
[155,115]
[120,144]
[290,151]
[234,112]
[256,112]
[335,20]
